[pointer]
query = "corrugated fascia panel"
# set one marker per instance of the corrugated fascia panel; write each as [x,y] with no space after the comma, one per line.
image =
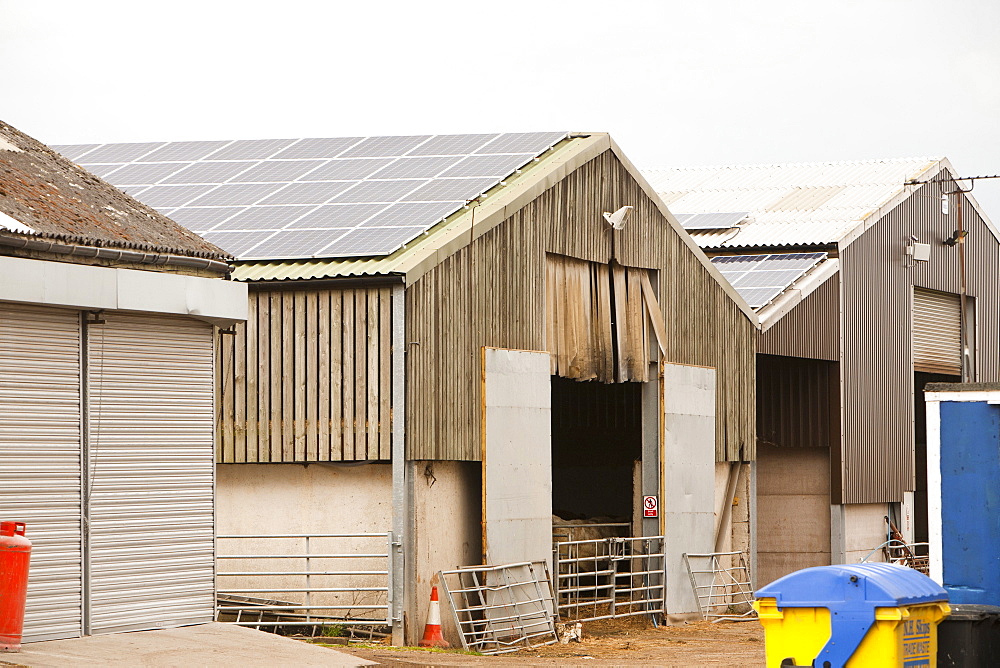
[313,269]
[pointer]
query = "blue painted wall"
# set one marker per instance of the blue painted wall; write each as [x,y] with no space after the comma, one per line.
[970,501]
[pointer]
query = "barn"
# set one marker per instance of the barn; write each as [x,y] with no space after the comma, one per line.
[108,320]
[448,341]
[871,278]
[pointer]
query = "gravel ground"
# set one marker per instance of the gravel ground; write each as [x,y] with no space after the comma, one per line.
[627,642]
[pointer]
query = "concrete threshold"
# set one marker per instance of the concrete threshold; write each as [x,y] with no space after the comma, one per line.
[214,645]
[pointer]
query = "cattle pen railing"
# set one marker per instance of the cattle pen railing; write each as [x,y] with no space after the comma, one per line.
[305,580]
[608,577]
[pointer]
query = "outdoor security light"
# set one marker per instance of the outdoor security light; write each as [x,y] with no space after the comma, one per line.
[618,218]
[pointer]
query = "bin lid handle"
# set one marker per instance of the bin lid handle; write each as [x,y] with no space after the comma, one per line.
[847,629]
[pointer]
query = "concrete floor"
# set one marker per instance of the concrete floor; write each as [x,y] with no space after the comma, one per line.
[214,645]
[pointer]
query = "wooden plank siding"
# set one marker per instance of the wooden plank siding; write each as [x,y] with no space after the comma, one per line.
[492,293]
[308,378]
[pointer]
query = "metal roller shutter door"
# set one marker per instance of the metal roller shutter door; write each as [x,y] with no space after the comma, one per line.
[40,454]
[937,338]
[152,468]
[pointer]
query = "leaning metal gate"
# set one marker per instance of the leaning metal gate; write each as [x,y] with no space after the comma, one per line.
[608,577]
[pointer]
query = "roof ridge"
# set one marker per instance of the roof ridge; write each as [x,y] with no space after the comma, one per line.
[820,163]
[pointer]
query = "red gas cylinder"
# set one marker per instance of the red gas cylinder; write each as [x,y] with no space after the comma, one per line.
[15,550]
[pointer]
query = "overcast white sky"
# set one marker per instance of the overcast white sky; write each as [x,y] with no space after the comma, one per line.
[675,83]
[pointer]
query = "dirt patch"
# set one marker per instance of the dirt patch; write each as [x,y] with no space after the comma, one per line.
[621,642]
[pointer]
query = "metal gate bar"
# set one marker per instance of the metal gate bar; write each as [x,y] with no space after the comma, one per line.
[309,581]
[609,577]
[501,609]
[721,587]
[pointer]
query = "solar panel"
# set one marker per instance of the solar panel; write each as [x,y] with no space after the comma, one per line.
[141,174]
[347,170]
[450,189]
[711,221]
[761,278]
[120,152]
[237,243]
[74,151]
[376,147]
[453,144]
[489,165]
[412,213]
[202,219]
[384,239]
[318,148]
[379,191]
[264,218]
[278,171]
[416,168]
[297,243]
[208,172]
[163,196]
[337,216]
[308,193]
[104,170]
[251,149]
[522,142]
[316,197]
[235,194]
[183,151]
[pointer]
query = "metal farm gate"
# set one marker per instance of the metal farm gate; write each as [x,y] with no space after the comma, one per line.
[608,577]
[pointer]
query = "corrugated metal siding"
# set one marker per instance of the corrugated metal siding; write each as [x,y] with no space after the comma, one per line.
[492,293]
[308,378]
[811,329]
[152,532]
[878,365]
[797,402]
[937,332]
[40,458]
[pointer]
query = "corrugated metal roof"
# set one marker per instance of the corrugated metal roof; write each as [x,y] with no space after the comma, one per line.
[790,205]
[52,198]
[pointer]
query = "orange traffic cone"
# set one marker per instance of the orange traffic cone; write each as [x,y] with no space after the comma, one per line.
[432,630]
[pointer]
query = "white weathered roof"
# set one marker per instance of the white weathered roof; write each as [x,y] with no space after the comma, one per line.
[792,204]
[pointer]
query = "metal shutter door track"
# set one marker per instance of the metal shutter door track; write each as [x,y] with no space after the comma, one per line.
[40,453]
[937,337]
[152,473]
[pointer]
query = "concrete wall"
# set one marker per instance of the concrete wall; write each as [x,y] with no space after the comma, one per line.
[864,530]
[299,499]
[793,510]
[446,498]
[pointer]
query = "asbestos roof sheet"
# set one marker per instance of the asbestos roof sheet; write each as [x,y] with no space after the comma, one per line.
[44,195]
[788,205]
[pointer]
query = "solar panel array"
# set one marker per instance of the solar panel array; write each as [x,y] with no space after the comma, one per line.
[711,221]
[761,278]
[309,198]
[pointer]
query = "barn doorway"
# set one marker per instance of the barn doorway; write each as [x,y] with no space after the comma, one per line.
[596,442]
